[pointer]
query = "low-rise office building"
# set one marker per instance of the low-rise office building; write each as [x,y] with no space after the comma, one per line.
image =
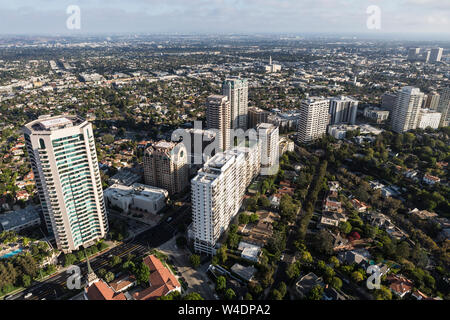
[138,197]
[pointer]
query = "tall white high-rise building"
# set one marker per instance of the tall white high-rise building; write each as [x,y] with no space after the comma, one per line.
[314,119]
[436,54]
[218,118]
[236,90]
[405,114]
[268,135]
[217,194]
[343,110]
[444,107]
[64,162]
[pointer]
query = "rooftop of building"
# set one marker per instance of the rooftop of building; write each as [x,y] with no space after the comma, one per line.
[99,290]
[161,280]
[216,97]
[51,123]
[136,190]
[265,126]
[14,219]
[343,98]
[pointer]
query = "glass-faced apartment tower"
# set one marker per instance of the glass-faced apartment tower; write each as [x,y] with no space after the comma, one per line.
[64,162]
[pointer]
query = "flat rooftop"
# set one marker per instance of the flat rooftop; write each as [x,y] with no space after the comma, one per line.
[14,219]
[49,123]
[137,190]
[165,145]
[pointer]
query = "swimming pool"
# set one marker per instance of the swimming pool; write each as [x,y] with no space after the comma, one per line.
[12,253]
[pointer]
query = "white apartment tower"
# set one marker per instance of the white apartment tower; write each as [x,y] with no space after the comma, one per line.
[343,110]
[64,162]
[268,135]
[218,117]
[217,194]
[405,114]
[236,90]
[314,119]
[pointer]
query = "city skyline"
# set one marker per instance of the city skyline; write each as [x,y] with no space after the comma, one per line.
[427,17]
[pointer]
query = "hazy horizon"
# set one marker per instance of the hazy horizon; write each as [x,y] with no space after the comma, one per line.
[409,18]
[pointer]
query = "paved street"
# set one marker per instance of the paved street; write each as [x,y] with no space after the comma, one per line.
[54,287]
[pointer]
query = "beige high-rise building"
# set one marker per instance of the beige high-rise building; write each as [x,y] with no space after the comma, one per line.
[218,117]
[432,101]
[65,166]
[166,166]
[314,119]
[236,90]
[257,116]
[405,114]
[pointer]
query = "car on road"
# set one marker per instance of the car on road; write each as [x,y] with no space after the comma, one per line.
[28,295]
[170,219]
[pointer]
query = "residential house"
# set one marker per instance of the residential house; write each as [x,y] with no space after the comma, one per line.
[423,214]
[429,179]
[359,205]
[399,285]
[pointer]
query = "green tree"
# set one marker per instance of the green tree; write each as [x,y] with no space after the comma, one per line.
[101,272]
[195,260]
[193,296]
[293,270]
[69,259]
[109,277]
[221,284]
[26,280]
[382,294]
[357,276]
[345,227]
[230,294]
[115,260]
[276,295]
[316,293]
[334,261]
[142,273]
[255,288]
[336,283]
[323,242]
[222,253]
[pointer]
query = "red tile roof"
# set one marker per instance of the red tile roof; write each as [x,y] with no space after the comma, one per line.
[101,291]
[161,280]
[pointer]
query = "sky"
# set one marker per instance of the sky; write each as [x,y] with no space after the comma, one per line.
[226,16]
